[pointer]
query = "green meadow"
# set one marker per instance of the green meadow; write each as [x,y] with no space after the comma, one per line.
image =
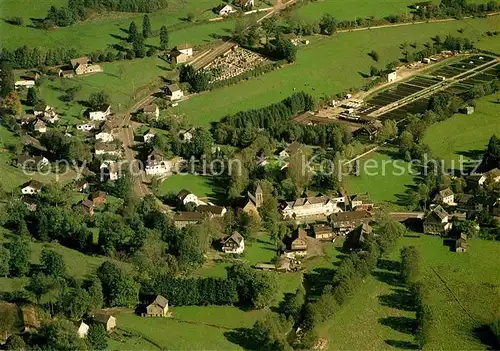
[465,135]
[328,65]
[103,30]
[463,294]
[383,176]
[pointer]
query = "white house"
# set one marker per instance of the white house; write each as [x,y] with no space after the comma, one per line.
[185,49]
[174,93]
[83,330]
[32,187]
[148,136]
[101,113]
[309,207]
[185,196]
[187,135]
[226,10]
[152,110]
[86,127]
[45,112]
[247,4]
[157,166]
[25,83]
[392,76]
[445,196]
[105,136]
[233,244]
[112,169]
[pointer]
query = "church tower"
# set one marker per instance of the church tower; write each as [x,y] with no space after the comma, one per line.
[259,196]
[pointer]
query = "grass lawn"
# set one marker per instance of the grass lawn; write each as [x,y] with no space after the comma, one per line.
[198,185]
[376,319]
[107,29]
[338,61]
[192,327]
[465,135]
[383,177]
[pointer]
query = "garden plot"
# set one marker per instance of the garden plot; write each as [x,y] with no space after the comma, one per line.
[234,63]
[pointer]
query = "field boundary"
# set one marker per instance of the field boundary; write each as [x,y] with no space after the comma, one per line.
[453,294]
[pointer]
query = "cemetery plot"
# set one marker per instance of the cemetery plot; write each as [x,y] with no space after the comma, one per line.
[234,63]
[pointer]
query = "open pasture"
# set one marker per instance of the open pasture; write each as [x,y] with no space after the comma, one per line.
[323,78]
[463,295]
[109,28]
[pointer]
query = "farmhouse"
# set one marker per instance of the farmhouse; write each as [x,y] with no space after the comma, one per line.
[105,135]
[98,198]
[215,211]
[468,110]
[254,202]
[39,126]
[185,197]
[109,149]
[460,244]
[46,113]
[361,200]
[310,207]
[148,136]
[173,92]
[297,243]
[182,219]
[31,188]
[113,170]
[187,135]
[24,83]
[83,330]
[226,10]
[25,119]
[108,321]
[33,162]
[86,127]
[181,53]
[370,130]
[83,65]
[437,221]
[81,185]
[246,4]
[152,111]
[392,76]
[156,165]
[446,197]
[323,232]
[88,207]
[186,49]
[347,221]
[234,244]
[157,308]
[100,113]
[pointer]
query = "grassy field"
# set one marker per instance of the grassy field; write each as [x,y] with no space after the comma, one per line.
[385,178]
[338,64]
[106,29]
[198,185]
[376,319]
[465,135]
[355,9]
[124,81]
[78,265]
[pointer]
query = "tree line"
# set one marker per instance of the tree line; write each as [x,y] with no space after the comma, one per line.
[79,10]
[276,121]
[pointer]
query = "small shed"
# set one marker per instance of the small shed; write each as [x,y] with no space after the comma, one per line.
[468,110]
